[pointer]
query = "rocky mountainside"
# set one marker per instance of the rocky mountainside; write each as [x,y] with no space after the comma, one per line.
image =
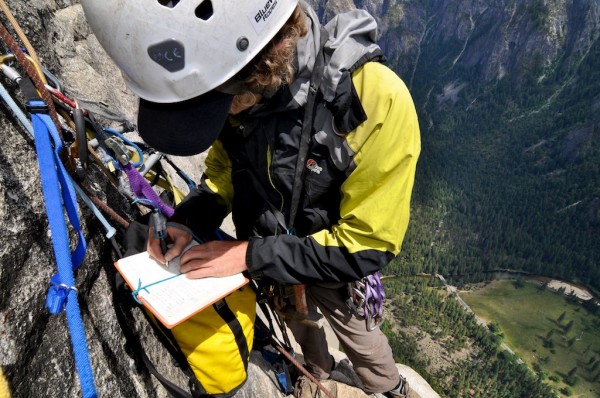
[448,52]
[511,38]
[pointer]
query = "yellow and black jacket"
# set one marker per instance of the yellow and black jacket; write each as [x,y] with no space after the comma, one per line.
[357,184]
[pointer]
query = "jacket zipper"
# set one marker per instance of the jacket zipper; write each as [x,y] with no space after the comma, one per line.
[269,163]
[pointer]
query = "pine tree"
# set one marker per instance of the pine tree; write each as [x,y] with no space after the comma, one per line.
[592,360]
[569,326]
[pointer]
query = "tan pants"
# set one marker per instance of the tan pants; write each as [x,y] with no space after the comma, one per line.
[369,351]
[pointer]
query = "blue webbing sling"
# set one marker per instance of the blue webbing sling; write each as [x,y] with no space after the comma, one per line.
[58,192]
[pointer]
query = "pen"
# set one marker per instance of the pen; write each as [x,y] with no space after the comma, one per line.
[160,229]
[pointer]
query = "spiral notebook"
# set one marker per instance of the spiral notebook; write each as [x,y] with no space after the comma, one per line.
[169,294]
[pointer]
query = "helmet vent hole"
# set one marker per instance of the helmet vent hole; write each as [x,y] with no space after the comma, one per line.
[205,10]
[169,3]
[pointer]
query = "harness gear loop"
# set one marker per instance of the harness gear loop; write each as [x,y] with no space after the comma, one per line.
[365,300]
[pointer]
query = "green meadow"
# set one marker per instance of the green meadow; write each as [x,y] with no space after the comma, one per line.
[555,335]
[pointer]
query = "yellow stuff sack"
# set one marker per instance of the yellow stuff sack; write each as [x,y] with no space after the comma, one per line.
[217,342]
[4,391]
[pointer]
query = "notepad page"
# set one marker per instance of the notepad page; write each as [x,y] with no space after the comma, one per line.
[181,297]
[174,297]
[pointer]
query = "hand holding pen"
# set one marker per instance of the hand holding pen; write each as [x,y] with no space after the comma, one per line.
[178,235]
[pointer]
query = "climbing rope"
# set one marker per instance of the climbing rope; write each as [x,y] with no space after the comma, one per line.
[29,68]
[20,32]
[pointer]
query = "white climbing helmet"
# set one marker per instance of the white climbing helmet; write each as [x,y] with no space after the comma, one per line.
[174,50]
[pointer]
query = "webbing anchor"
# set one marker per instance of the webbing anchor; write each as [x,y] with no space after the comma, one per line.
[57,297]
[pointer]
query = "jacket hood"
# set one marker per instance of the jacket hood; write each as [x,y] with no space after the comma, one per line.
[351,38]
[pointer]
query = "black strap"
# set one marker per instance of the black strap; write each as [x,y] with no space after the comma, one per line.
[173,389]
[307,126]
[267,309]
[228,316]
[305,135]
[28,89]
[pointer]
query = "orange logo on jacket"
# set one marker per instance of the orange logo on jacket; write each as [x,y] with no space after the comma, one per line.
[312,165]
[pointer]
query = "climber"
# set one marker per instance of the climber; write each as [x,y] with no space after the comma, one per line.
[267,88]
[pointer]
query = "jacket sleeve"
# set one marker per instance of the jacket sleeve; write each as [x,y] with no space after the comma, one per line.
[205,207]
[375,205]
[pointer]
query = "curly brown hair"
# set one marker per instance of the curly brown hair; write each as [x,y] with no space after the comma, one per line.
[274,67]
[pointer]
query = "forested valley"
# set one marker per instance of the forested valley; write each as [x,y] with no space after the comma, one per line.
[509,176]
[460,356]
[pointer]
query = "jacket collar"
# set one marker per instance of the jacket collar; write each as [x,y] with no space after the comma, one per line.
[351,41]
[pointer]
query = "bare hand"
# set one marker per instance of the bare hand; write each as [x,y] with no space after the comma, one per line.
[215,258]
[176,235]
